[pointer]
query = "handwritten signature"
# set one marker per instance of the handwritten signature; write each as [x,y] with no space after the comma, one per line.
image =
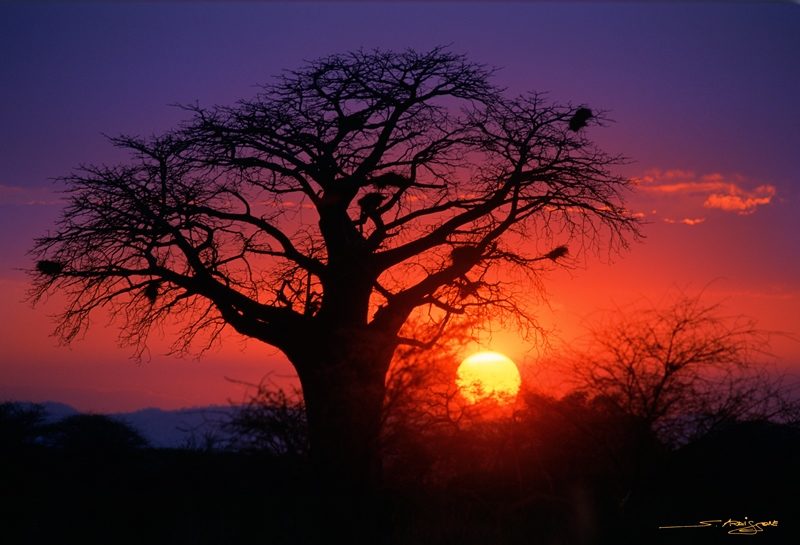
[747,527]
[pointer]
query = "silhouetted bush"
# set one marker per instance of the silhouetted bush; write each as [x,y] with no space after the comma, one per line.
[88,433]
[271,421]
[20,424]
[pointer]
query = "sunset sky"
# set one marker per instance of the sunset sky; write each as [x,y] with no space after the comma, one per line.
[703,98]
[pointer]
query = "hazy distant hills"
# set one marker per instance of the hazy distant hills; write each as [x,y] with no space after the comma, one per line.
[179,428]
[163,429]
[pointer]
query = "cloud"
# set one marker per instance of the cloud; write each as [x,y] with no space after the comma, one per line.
[686,221]
[726,193]
[9,191]
[743,204]
[27,196]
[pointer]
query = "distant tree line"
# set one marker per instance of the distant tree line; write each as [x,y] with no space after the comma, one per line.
[25,425]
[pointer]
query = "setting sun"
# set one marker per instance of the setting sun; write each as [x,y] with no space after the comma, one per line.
[488,375]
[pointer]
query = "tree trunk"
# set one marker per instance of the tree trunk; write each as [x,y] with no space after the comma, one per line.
[344,399]
[343,408]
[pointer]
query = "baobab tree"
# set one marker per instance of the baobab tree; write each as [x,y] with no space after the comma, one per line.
[320,215]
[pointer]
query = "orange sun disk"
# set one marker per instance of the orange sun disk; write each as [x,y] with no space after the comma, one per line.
[488,376]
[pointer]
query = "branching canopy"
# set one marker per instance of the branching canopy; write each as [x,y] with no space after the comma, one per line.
[352,191]
[682,369]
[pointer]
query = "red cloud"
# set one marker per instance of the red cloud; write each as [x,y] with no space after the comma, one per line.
[27,196]
[686,221]
[743,203]
[721,192]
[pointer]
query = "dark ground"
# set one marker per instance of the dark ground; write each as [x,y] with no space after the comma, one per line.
[117,495]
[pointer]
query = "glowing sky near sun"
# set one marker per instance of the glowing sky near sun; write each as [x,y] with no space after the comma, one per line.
[702,99]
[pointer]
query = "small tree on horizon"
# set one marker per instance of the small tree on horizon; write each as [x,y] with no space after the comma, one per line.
[681,369]
[317,217]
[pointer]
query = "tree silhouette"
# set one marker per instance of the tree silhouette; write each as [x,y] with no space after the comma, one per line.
[94,434]
[682,370]
[21,424]
[271,420]
[320,215]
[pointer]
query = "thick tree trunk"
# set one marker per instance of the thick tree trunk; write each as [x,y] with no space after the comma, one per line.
[344,399]
[343,406]
[342,364]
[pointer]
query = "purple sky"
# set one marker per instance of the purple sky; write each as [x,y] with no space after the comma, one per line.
[703,98]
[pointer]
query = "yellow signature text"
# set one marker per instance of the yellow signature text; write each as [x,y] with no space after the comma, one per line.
[734,527]
[748,527]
